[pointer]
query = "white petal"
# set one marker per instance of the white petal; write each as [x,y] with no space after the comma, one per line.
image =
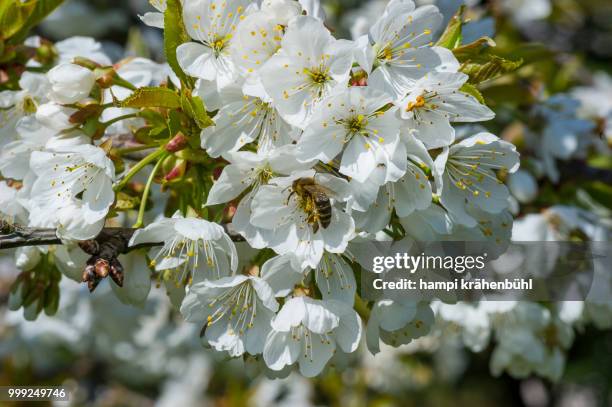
[314,360]
[230,184]
[318,318]
[348,333]
[291,315]
[280,275]
[280,350]
[337,235]
[197,60]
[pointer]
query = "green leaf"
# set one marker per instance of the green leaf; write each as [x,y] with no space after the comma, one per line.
[451,37]
[153,97]
[175,122]
[13,16]
[473,91]
[152,117]
[481,63]
[194,107]
[175,35]
[474,51]
[493,68]
[42,9]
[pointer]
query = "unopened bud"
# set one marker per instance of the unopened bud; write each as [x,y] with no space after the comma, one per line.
[359,78]
[105,77]
[15,298]
[88,273]
[85,62]
[301,292]
[177,143]
[176,172]
[116,272]
[253,271]
[52,297]
[229,211]
[92,284]
[102,268]
[46,53]
[31,312]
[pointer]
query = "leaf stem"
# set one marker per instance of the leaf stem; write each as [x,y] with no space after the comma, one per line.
[136,168]
[127,150]
[119,81]
[119,118]
[145,193]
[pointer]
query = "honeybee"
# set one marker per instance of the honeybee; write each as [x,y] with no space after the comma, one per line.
[314,200]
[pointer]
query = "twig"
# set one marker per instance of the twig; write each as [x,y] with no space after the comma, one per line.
[13,236]
[104,249]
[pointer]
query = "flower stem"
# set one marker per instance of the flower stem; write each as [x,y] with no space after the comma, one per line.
[362,308]
[145,193]
[119,81]
[139,166]
[133,149]
[119,118]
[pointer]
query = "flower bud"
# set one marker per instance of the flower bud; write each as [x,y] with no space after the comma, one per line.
[15,298]
[102,268]
[116,272]
[52,296]
[70,83]
[523,186]
[176,172]
[359,78]
[45,53]
[177,143]
[31,312]
[105,77]
[229,211]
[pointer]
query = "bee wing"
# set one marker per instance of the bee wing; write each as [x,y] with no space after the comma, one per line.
[319,190]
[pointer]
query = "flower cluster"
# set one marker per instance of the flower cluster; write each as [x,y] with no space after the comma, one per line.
[277,148]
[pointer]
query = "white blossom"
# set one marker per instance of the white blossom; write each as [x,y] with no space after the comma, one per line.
[70,83]
[309,66]
[434,102]
[354,123]
[244,119]
[307,331]
[294,220]
[468,176]
[15,156]
[236,312]
[212,26]
[73,188]
[16,104]
[193,249]
[397,323]
[398,50]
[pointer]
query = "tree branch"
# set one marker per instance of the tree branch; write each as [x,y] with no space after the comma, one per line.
[13,236]
[104,249]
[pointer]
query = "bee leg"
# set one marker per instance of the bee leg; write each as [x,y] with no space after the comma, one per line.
[289,197]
